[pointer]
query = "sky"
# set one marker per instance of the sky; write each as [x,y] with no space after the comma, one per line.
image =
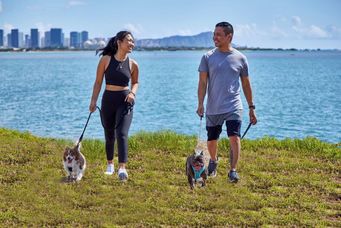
[257,23]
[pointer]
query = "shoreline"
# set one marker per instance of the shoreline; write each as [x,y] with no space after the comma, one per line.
[163,49]
[165,131]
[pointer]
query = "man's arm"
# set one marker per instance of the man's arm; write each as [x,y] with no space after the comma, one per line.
[202,86]
[249,98]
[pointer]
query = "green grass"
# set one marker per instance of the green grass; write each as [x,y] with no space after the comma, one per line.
[287,182]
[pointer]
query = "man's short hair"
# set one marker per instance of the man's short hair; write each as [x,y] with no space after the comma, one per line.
[228,28]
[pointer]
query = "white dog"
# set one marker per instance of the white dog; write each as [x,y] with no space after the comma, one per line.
[74,163]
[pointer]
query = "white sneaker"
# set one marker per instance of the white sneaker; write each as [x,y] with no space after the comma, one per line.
[110,169]
[122,174]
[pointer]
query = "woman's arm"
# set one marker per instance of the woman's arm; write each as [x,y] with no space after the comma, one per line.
[98,82]
[134,81]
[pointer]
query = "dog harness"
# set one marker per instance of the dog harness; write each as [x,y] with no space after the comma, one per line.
[197,174]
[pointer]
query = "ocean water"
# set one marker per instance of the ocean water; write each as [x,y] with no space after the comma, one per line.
[297,93]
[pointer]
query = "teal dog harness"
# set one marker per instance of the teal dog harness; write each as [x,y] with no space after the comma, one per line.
[197,174]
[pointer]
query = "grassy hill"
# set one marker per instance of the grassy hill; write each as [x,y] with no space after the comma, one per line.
[284,182]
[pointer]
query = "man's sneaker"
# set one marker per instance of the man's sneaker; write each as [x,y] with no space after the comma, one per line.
[110,169]
[233,176]
[212,168]
[122,174]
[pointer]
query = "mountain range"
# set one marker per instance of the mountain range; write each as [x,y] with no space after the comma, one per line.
[202,40]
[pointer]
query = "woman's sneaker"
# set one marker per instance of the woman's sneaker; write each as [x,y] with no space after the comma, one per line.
[110,169]
[212,168]
[122,174]
[233,176]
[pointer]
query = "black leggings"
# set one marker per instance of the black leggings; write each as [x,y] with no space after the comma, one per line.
[116,120]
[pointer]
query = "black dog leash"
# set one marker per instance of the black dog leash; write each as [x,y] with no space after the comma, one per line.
[248,127]
[81,137]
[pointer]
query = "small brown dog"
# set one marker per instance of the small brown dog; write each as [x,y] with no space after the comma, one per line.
[74,163]
[196,169]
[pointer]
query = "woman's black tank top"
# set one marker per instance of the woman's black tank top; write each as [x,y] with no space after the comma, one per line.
[118,73]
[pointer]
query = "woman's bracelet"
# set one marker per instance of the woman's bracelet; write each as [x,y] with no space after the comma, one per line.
[132,93]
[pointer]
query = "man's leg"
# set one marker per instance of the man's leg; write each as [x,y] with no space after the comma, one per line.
[235,148]
[212,143]
[233,132]
[212,149]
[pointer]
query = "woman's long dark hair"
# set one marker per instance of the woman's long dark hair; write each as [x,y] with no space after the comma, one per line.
[112,45]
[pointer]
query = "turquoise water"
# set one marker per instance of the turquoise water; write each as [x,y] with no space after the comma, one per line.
[297,94]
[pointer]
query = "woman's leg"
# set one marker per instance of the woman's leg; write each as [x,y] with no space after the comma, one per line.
[108,117]
[123,122]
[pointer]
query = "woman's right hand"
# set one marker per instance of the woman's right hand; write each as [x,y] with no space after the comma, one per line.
[92,107]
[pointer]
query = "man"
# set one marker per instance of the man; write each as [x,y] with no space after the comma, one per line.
[219,73]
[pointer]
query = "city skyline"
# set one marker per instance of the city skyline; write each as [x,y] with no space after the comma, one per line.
[263,23]
[54,38]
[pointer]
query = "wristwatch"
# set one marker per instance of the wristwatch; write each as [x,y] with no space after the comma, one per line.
[252,106]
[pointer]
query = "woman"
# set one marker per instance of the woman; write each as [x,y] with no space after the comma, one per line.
[117,101]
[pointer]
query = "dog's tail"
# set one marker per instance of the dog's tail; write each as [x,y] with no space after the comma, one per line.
[78,144]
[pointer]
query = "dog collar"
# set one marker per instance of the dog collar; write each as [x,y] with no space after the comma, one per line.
[197,174]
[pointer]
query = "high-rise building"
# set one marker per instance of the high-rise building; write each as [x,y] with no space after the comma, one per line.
[1,38]
[27,41]
[34,38]
[84,37]
[63,40]
[9,40]
[21,40]
[57,38]
[15,38]
[47,41]
[67,42]
[75,40]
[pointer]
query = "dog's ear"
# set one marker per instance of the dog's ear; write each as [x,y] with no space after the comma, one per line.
[202,153]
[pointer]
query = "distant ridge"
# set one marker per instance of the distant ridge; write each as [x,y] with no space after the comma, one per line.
[201,40]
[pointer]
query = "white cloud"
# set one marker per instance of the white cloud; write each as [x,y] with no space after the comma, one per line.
[278,33]
[7,28]
[281,19]
[248,31]
[316,32]
[302,31]
[311,32]
[43,27]
[334,31]
[136,30]
[76,3]
[285,30]
[185,32]
[282,29]
[296,21]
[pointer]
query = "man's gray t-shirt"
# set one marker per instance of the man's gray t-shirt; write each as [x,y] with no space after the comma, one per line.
[224,70]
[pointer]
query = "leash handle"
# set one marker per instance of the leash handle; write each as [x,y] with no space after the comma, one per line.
[81,137]
[198,140]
